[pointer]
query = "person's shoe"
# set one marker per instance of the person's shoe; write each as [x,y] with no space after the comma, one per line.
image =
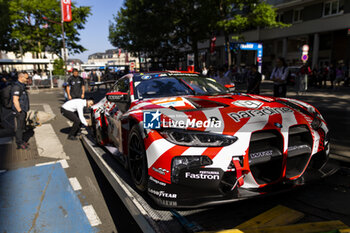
[22,147]
[70,137]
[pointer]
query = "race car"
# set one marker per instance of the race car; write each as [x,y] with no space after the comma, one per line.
[190,142]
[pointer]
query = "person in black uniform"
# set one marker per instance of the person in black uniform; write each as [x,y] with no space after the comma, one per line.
[20,107]
[254,80]
[76,86]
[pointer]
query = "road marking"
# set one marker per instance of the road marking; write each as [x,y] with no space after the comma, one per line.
[48,143]
[328,226]
[63,163]
[277,216]
[7,140]
[75,184]
[48,109]
[91,215]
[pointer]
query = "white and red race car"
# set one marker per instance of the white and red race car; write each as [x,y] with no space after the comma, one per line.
[189,142]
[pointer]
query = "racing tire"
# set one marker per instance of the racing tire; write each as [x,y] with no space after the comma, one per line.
[93,124]
[137,159]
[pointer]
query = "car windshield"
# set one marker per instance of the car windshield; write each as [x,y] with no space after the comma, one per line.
[171,86]
[205,86]
[161,87]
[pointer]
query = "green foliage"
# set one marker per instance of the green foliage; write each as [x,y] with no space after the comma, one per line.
[167,28]
[58,67]
[28,32]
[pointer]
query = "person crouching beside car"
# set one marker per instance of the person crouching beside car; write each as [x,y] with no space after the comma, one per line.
[74,110]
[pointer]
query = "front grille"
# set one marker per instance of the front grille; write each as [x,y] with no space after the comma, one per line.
[299,150]
[266,156]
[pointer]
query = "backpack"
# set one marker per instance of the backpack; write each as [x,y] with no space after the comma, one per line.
[6,95]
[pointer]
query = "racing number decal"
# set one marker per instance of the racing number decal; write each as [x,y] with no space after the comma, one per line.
[248,103]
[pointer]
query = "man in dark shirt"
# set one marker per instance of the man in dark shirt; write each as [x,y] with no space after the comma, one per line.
[76,86]
[20,107]
[254,80]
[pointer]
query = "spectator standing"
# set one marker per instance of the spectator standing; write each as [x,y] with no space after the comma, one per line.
[332,74]
[339,76]
[74,110]
[279,77]
[220,78]
[36,79]
[204,71]
[254,81]
[20,107]
[75,86]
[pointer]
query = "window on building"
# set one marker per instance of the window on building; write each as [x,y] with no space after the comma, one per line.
[333,7]
[297,15]
[279,17]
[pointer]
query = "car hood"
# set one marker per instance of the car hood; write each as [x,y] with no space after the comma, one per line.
[227,113]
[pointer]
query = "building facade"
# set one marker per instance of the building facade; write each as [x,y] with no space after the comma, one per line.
[113,57]
[323,25]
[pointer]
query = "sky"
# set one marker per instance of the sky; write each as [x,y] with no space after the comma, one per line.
[95,35]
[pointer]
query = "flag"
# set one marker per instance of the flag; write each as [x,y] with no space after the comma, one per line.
[66,10]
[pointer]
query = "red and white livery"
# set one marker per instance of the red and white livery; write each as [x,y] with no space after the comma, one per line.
[189,142]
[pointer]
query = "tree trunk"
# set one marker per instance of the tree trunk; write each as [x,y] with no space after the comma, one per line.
[139,55]
[195,52]
[227,43]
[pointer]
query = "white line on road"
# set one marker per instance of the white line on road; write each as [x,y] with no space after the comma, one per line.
[63,163]
[7,140]
[91,215]
[48,143]
[48,109]
[75,183]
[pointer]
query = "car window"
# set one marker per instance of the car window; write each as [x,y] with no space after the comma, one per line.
[122,85]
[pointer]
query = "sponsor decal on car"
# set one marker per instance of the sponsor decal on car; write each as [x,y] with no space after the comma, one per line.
[248,103]
[162,193]
[160,170]
[146,77]
[237,116]
[157,181]
[261,154]
[191,123]
[203,175]
[151,119]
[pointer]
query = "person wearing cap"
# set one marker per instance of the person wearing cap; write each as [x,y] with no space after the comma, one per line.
[73,110]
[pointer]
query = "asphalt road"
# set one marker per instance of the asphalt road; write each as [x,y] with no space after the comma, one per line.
[96,190]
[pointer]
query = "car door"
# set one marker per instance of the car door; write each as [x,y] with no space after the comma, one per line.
[115,113]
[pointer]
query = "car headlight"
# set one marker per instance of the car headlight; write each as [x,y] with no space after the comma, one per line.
[197,138]
[187,162]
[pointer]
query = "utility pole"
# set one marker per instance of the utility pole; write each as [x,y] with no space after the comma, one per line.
[64,48]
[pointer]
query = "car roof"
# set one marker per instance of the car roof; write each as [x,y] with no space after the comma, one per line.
[143,76]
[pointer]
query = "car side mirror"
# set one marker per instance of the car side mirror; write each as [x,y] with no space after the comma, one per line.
[117,97]
[230,87]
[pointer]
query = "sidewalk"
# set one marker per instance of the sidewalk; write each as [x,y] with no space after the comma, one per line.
[35,192]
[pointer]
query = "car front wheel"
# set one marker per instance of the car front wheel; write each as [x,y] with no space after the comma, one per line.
[137,159]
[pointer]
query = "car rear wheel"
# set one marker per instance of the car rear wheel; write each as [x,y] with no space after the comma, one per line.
[137,159]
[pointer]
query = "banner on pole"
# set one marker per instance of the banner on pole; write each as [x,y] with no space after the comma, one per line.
[66,10]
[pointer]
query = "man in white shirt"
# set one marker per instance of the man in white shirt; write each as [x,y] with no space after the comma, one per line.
[279,77]
[74,110]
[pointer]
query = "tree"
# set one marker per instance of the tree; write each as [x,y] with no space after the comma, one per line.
[5,28]
[32,32]
[237,16]
[58,67]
